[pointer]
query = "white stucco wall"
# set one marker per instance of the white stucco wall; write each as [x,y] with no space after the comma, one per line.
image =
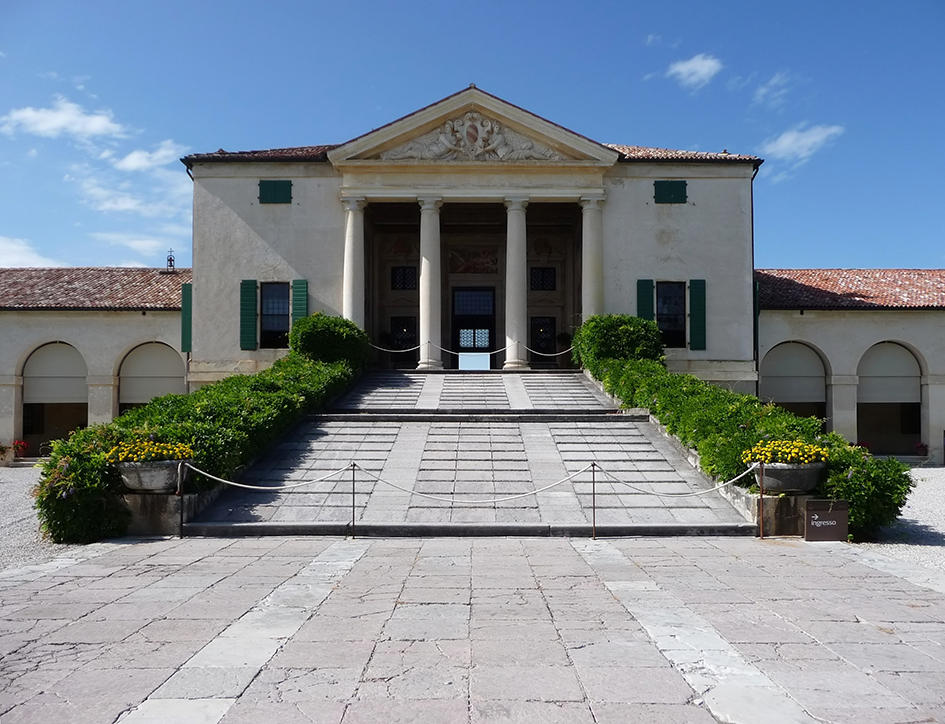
[842,337]
[236,237]
[103,339]
[708,237]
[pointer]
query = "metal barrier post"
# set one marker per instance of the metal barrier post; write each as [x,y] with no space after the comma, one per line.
[352,499]
[594,501]
[180,496]
[761,501]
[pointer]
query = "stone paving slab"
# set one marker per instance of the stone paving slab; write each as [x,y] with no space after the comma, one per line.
[687,630]
[422,468]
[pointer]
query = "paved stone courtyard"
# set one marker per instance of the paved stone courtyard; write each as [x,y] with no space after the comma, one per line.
[341,631]
[429,446]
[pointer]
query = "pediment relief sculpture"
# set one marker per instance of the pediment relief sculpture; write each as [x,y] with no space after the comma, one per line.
[472,137]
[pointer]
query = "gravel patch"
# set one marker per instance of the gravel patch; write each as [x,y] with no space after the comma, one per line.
[20,541]
[918,536]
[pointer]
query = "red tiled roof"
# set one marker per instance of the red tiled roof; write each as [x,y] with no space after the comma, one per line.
[91,288]
[320,153]
[644,153]
[302,153]
[851,288]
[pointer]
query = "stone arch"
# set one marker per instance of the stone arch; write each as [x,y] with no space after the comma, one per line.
[55,393]
[889,400]
[794,376]
[149,370]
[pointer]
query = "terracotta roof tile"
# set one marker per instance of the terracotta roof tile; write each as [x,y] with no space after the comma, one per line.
[851,288]
[301,153]
[91,288]
[644,153]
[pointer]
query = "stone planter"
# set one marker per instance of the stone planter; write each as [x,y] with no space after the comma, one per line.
[790,477]
[6,458]
[157,476]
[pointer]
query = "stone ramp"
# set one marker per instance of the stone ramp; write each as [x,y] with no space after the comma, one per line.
[429,448]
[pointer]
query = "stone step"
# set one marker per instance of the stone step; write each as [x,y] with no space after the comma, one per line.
[464,530]
[478,415]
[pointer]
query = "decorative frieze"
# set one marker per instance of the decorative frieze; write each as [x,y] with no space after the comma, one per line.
[472,137]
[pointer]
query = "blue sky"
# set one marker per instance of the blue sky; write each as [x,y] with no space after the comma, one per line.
[844,100]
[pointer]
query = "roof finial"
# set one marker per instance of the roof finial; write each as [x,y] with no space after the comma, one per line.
[170,261]
[472,85]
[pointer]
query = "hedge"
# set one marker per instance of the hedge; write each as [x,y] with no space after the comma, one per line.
[719,424]
[227,424]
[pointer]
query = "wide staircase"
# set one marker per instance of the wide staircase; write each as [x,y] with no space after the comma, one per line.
[473,453]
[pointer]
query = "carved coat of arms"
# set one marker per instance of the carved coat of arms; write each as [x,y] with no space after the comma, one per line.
[473,137]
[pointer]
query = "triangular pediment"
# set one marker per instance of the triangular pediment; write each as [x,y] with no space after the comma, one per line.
[473,126]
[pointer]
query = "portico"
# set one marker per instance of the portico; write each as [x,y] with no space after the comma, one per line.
[466,157]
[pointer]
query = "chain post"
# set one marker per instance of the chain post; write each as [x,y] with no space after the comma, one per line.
[761,501]
[594,501]
[352,499]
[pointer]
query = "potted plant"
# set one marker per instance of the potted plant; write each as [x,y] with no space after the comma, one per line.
[19,448]
[149,466]
[788,466]
[6,454]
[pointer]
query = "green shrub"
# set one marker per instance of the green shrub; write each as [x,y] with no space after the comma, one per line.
[330,339]
[720,424]
[616,336]
[227,424]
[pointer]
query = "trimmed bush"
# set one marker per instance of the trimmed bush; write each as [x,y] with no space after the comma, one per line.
[616,336]
[720,424]
[227,424]
[330,339]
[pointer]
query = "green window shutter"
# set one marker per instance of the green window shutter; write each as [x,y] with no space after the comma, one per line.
[275,192]
[299,299]
[248,314]
[186,317]
[669,192]
[697,314]
[645,299]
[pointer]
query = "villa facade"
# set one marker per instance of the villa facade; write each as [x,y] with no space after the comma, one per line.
[475,232]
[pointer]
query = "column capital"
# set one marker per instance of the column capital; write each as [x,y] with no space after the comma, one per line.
[354,203]
[430,203]
[591,202]
[516,202]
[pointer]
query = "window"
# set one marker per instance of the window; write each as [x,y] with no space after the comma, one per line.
[403,278]
[669,192]
[671,312]
[274,317]
[666,303]
[268,310]
[275,192]
[543,279]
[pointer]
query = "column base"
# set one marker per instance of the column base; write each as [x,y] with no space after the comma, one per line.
[516,364]
[430,364]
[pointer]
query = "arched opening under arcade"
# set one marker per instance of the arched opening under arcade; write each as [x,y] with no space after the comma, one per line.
[793,377]
[150,370]
[889,400]
[55,394]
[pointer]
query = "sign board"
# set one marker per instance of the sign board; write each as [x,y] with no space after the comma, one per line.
[826,520]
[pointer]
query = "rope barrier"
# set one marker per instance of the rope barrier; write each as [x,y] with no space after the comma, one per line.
[487,501]
[384,349]
[267,487]
[485,351]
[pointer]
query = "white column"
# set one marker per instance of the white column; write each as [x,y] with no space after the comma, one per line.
[11,408]
[841,405]
[103,398]
[516,292]
[352,299]
[430,355]
[592,258]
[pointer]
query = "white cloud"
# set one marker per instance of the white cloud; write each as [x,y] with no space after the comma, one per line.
[773,93]
[799,144]
[64,118]
[132,265]
[20,252]
[653,39]
[166,152]
[142,244]
[695,72]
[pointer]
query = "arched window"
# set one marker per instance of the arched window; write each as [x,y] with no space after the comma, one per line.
[793,376]
[889,400]
[149,371]
[55,394]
